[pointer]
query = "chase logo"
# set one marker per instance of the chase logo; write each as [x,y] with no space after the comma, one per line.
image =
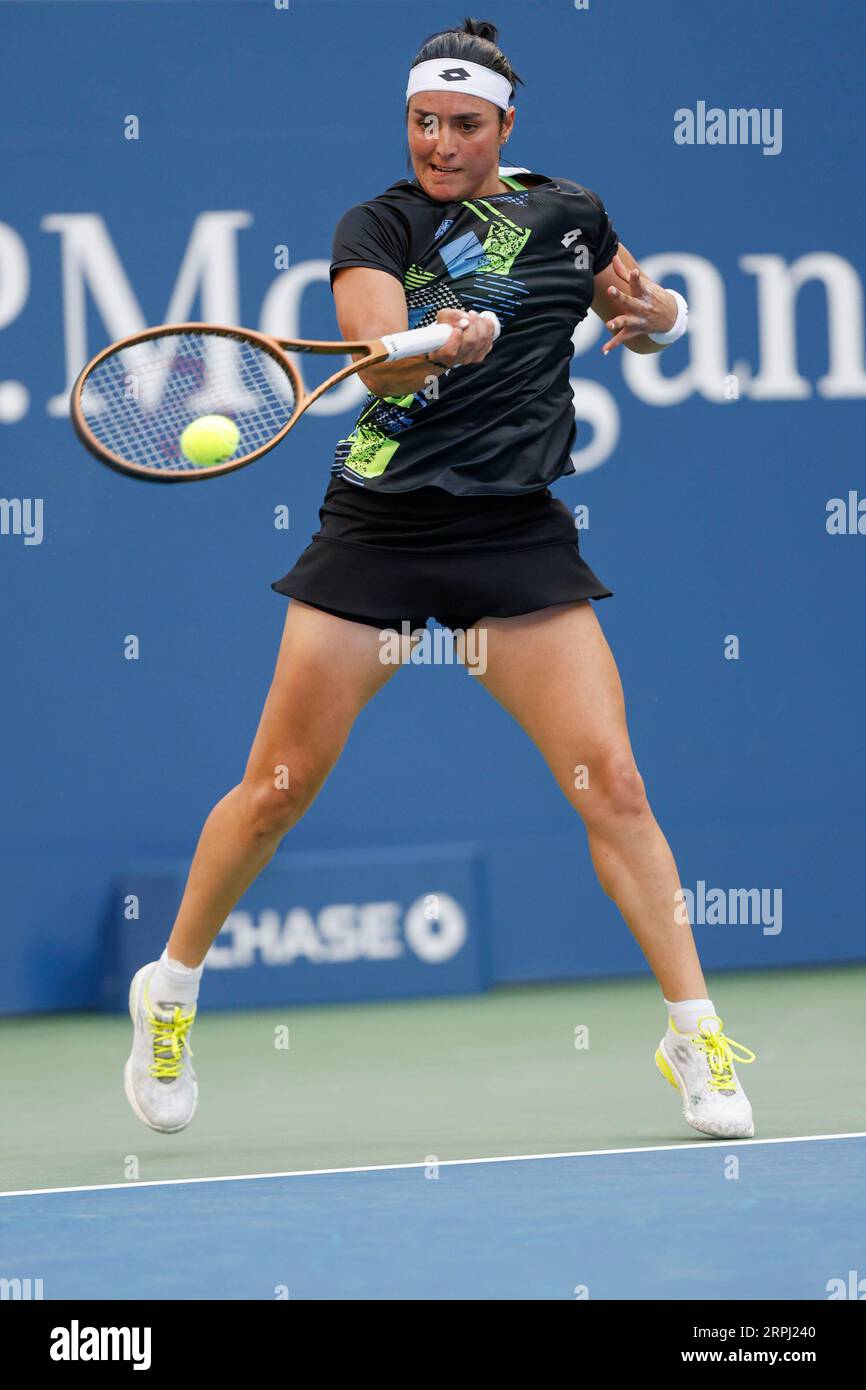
[433,929]
[454,75]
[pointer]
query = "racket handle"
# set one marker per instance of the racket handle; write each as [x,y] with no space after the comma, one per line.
[416,341]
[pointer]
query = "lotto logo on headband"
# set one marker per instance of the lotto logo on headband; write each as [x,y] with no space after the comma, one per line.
[474,77]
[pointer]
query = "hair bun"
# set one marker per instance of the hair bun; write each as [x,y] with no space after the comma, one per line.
[482,29]
[476,42]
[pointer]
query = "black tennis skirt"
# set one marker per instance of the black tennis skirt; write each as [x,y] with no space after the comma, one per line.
[384,557]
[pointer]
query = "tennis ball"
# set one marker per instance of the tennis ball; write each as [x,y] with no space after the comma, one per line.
[210,439]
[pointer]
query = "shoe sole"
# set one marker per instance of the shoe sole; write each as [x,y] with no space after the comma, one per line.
[670,1075]
[127,1073]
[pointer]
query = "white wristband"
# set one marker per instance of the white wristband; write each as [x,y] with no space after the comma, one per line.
[679,327]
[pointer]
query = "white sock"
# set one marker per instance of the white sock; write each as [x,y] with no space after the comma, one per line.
[686,1012]
[174,983]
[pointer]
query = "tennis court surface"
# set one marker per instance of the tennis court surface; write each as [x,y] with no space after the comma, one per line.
[460,1148]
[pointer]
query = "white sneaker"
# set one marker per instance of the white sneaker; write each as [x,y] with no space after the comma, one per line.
[158,1079]
[701,1067]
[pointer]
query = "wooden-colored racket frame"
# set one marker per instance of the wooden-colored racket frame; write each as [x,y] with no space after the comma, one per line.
[373,352]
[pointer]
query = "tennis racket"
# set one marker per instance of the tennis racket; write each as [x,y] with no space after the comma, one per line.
[132,403]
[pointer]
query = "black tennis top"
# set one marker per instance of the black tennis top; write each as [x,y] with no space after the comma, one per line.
[505,425]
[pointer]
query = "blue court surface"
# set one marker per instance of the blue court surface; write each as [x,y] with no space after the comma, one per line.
[751,1219]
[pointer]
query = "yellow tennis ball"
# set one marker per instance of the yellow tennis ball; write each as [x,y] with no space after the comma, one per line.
[210,439]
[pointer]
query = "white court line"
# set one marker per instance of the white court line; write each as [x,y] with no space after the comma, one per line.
[696,1145]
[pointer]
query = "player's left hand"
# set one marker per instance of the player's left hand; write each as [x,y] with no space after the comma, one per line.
[646,308]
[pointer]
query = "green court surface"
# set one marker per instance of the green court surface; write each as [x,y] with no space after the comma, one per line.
[474,1077]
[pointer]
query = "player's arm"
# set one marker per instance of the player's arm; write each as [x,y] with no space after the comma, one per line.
[632,305]
[372,302]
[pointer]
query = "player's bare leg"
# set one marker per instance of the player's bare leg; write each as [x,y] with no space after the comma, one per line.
[554,672]
[327,670]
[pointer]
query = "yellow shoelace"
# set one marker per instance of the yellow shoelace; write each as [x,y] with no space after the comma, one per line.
[169,1041]
[720,1052]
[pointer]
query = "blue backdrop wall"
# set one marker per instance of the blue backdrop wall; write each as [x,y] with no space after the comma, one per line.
[709,474]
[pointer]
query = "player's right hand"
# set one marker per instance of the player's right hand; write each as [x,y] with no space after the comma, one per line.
[469,344]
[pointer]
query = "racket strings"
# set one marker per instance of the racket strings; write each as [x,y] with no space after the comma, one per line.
[138,401]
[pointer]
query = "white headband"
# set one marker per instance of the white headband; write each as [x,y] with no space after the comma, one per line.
[456,75]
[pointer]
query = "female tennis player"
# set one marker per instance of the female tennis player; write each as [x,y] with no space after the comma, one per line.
[439,505]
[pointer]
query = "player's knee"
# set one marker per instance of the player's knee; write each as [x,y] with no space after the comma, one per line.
[273,806]
[614,788]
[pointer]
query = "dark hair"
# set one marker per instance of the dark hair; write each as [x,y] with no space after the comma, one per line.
[476,43]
